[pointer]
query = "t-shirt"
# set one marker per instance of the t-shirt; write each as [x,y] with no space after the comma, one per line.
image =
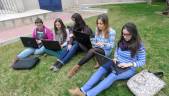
[40,35]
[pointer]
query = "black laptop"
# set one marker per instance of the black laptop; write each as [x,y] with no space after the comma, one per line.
[51,45]
[29,42]
[103,59]
[82,38]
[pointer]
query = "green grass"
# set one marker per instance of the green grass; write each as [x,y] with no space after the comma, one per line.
[40,81]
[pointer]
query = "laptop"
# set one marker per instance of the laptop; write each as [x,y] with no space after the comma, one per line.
[103,59]
[29,42]
[82,38]
[51,45]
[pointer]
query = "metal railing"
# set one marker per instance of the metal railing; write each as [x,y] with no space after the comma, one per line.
[8,7]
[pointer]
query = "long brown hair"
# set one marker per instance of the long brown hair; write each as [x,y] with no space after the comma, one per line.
[135,40]
[63,28]
[105,20]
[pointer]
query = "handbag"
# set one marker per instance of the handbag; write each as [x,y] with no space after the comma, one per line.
[145,83]
[27,63]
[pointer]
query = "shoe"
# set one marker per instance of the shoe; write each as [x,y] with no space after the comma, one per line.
[45,55]
[54,65]
[51,67]
[73,71]
[57,67]
[76,92]
[96,66]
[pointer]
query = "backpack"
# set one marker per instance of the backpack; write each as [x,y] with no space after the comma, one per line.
[27,63]
[146,83]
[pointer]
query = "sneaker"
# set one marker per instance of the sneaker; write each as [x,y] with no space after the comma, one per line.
[57,67]
[51,67]
[54,65]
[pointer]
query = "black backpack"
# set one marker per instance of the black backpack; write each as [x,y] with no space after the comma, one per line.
[27,63]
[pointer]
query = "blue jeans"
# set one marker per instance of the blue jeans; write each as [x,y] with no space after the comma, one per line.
[54,53]
[29,51]
[67,54]
[90,90]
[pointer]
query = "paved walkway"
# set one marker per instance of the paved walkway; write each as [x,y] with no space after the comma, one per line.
[12,35]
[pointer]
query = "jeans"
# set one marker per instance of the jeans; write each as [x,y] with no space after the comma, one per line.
[67,54]
[29,51]
[90,90]
[54,53]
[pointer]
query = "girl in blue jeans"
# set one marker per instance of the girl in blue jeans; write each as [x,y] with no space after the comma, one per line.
[73,46]
[130,54]
[61,34]
[40,32]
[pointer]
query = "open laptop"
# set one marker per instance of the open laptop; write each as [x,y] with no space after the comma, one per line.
[51,45]
[29,42]
[103,59]
[82,38]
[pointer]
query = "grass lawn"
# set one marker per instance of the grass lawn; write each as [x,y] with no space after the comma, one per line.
[40,81]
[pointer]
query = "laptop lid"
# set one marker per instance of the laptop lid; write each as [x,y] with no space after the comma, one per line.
[29,42]
[51,45]
[103,60]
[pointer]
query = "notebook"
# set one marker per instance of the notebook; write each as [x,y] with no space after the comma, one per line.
[29,42]
[103,59]
[51,45]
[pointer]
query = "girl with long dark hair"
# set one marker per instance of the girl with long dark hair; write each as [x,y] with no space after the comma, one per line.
[73,46]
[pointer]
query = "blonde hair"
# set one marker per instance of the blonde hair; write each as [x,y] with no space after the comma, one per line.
[104,19]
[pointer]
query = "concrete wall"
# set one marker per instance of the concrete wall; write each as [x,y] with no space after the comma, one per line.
[12,5]
[66,4]
[30,4]
[19,5]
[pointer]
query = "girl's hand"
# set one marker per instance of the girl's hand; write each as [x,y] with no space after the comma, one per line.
[71,35]
[38,41]
[115,60]
[125,65]
[69,46]
[61,46]
[100,44]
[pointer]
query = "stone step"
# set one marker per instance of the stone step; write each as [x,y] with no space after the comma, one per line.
[8,21]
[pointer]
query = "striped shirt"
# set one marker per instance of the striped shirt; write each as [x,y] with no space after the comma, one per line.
[108,42]
[125,56]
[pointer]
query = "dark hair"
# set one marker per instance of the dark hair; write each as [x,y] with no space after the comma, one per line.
[135,40]
[79,22]
[105,20]
[38,20]
[63,28]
